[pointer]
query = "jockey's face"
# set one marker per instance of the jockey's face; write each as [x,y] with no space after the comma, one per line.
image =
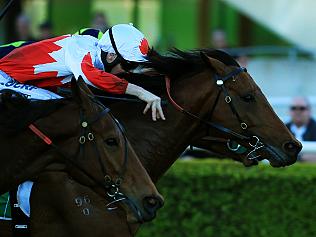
[110,57]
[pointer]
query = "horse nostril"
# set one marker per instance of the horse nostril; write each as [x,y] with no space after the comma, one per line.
[292,147]
[152,203]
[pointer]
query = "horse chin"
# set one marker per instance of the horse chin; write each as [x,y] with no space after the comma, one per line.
[132,219]
[275,156]
[137,216]
[248,162]
[133,214]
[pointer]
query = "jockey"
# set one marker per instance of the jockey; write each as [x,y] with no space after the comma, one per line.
[53,62]
[33,67]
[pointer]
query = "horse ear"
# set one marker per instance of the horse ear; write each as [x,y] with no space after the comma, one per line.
[83,86]
[80,90]
[75,89]
[215,64]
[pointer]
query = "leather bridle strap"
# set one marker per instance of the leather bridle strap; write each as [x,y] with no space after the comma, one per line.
[122,130]
[112,187]
[6,8]
[178,107]
[41,135]
[211,124]
[220,81]
[49,141]
[100,115]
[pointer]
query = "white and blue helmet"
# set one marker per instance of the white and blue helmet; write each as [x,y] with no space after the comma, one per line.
[126,41]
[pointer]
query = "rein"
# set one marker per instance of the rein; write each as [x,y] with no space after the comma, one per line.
[253,141]
[5,9]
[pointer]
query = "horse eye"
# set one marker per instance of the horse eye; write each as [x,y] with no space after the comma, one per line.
[248,98]
[111,142]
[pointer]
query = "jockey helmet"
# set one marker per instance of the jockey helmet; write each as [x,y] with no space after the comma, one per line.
[127,42]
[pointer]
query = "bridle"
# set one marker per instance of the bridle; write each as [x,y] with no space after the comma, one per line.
[253,143]
[111,186]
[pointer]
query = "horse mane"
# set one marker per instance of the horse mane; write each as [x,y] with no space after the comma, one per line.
[17,112]
[177,63]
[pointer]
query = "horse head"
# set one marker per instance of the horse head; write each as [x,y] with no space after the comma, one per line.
[84,139]
[231,114]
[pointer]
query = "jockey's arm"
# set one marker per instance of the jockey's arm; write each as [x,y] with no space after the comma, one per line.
[101,79]
[113,84]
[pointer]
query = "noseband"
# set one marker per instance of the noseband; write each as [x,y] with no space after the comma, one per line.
[112,187]
[253,142]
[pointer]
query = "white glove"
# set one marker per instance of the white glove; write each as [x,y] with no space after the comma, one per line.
[153,101]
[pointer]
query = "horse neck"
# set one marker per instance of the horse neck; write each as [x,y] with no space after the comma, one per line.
[25,154]
[23,160]
[159,144]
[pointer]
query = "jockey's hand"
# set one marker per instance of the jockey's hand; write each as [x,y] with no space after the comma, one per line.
[153,101]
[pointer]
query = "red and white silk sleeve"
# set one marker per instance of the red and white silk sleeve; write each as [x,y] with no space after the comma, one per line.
[101,79]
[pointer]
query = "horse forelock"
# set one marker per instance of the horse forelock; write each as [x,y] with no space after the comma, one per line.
[178,63]
[17,112]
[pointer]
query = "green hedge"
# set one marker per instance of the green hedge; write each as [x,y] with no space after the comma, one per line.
[225,199]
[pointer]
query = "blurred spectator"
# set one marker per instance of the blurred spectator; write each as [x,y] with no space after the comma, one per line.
[45,30]
[23,28]
[302,125]
[219,41]
[100,22]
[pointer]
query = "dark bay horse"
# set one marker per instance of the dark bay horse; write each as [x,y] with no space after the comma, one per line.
[216,94]
[215,102]
[78,136]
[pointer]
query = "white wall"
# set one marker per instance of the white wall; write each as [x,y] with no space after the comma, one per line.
[281,79]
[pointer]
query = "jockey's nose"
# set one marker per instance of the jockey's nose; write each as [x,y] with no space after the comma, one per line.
[151,205]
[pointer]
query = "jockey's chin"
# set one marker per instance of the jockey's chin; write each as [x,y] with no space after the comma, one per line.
[117,69]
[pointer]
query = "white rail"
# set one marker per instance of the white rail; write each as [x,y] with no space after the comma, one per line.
[309,147]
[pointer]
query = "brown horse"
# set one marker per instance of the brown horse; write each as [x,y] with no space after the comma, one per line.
[215,94]
[215,103]
[81,137]
[219,106]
